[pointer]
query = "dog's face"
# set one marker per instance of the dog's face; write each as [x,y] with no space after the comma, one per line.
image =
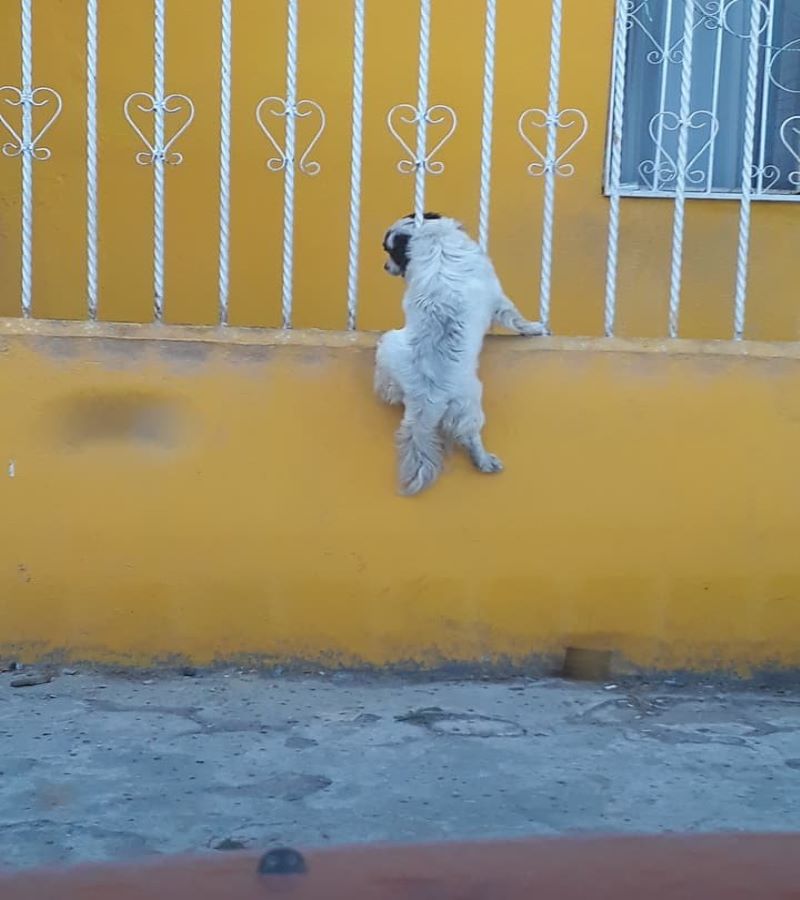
[395,243]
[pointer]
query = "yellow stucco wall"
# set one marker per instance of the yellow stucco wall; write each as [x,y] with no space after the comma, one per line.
[325,75]
[216,497]
[179,492]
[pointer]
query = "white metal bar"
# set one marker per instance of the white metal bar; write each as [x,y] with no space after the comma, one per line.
[422,108]
[683,156]
[618,112]
[26,98]
[548,224]
[662,103]
[771,197]
[159,161]
[226,39]
[747,171]
[715,86]
[91,160]
[289,172]
[765,96]
[355,162]
[486,129]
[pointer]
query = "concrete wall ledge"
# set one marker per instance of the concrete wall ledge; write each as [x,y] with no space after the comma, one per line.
[310,337]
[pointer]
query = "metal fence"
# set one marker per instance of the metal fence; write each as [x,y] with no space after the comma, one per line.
[675,113]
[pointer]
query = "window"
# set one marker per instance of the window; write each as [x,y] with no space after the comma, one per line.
[720,49]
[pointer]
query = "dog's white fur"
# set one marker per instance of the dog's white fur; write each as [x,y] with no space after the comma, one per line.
[452,297]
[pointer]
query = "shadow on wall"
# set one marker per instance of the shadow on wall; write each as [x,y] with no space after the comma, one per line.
[142,418]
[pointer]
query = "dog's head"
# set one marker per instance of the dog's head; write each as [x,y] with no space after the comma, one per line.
[395,243]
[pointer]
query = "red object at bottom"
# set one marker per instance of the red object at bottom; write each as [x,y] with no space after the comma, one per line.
[757,867]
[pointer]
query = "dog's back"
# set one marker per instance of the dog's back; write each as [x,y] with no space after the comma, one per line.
[447,303]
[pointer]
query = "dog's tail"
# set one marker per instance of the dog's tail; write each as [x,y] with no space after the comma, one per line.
[420,447]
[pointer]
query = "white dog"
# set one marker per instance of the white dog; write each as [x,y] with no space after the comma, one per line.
[452,297]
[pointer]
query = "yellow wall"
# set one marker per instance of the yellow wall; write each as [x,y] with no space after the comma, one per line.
[325,64]
[217,497]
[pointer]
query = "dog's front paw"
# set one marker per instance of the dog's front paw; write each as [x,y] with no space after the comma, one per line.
[388,390]
[490,463]
[391,394]
[531,329]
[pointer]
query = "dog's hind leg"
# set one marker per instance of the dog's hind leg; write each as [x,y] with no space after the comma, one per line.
[419,446]
[463,423]
[507,315]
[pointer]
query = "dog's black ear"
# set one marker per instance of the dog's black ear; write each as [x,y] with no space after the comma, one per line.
[427,215]
[386,241]
[399,251]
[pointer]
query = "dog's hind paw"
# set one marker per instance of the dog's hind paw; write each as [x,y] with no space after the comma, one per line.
[415,485]
[417,474]
[489,464]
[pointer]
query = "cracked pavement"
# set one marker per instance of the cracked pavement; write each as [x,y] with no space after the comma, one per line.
[97,766]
